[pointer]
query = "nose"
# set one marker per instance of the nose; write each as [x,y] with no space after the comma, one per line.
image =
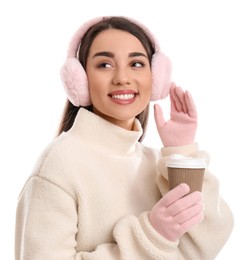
[121,76]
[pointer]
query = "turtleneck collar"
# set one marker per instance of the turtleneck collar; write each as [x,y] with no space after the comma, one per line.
[101,134]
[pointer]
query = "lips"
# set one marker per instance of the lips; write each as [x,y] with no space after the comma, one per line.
[123,96]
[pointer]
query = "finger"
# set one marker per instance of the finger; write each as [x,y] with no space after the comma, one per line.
[175,194]
[190,105]
[159,116]
[181,99]
[187,225]
[185,203]
[175,104]
[189,213]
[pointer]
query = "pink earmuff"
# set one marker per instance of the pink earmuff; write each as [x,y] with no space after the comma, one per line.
[74,77]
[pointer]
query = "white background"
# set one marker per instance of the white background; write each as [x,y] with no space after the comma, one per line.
[207,43]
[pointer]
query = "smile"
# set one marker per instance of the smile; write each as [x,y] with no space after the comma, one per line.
[124,96]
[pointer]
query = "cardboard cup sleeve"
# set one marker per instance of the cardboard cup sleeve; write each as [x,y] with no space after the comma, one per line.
[187,170]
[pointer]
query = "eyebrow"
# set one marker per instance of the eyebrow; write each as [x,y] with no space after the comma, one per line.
[111,54]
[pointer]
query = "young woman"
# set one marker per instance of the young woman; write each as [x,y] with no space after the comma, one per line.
[97,192]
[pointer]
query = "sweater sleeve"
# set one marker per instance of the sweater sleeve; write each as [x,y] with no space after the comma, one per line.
[46,228]
[206,239]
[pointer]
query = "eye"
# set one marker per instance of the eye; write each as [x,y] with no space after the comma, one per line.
[138,64]
[104,65]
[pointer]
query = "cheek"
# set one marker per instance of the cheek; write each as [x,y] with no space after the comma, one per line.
[93,79]
[94,83]
[147,83]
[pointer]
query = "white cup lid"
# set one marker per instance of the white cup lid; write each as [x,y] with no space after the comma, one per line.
[180,161]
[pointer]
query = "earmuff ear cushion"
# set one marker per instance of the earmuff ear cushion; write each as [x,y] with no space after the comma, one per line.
[75,82]
[161,73]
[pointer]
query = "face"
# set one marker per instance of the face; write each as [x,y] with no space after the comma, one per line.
[119,77]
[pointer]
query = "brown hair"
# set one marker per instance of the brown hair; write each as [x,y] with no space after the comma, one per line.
[121,23]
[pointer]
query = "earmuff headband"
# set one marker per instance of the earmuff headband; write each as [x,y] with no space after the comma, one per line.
[75,80]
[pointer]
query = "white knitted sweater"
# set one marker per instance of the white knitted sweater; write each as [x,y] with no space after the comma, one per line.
[90,194]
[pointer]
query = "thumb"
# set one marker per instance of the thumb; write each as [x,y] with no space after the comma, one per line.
[159,116]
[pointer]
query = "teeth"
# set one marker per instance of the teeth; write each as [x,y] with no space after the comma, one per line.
[123,97]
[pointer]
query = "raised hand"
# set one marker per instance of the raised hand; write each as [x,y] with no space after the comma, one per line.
[181,128]
[175,213]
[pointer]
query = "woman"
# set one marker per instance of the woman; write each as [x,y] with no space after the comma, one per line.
[97,192]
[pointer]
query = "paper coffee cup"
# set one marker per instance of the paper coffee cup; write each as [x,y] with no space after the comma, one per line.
[187,170]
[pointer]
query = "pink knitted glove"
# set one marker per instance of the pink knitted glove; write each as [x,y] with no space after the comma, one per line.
[181,128]
[175,214]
